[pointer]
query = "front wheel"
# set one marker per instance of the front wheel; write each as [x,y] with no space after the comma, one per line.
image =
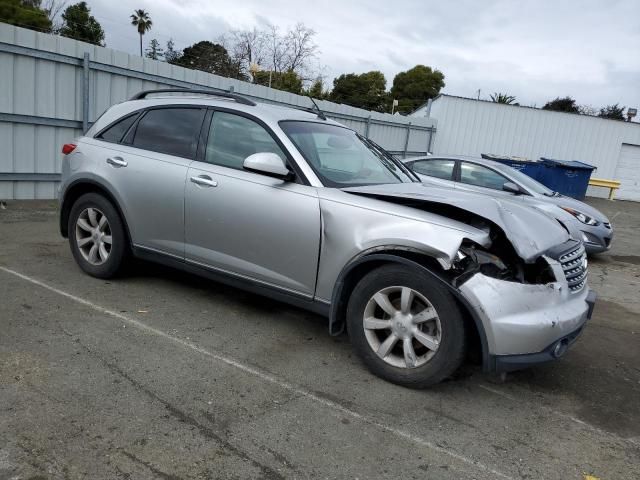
[406,326]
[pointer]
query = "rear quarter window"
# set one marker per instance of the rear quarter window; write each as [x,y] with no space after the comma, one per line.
[115,132]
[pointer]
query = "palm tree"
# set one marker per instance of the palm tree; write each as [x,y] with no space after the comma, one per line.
[142,21]
[503,98]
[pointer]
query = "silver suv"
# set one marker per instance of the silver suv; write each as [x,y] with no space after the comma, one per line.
[294,206]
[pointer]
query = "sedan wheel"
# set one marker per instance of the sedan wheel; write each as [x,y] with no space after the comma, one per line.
[402,327]
[93,236]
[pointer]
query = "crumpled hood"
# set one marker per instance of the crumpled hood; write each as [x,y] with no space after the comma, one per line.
[530,231]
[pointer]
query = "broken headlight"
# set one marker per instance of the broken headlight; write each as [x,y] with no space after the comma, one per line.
[471,259]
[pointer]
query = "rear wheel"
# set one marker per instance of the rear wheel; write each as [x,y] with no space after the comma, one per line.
[96,236]
[406,326]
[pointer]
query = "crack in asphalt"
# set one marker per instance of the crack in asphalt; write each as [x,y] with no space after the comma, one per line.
[268,473]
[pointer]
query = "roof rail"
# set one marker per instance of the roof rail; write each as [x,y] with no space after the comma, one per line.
[213,93]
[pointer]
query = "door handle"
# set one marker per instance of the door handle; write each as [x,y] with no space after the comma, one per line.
[204,180]
[116,162]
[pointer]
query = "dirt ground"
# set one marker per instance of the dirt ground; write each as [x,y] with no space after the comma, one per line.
[165,375]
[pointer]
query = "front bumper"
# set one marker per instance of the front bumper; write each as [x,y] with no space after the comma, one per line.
[596,238]
[507,363]
[524,323]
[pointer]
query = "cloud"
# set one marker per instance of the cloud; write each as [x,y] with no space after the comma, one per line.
[535,50]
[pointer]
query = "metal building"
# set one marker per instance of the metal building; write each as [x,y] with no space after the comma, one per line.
[471,127]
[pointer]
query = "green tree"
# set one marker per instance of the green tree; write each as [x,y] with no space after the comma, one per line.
[316,90]
[415,86]
[171,55]
[503,98]
[79,24]
[211,58]
[288,81]
[142,21]
[366,90]
[24,14]
[566,104]
[613,112]
[154,51]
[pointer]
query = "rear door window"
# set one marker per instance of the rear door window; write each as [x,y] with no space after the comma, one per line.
[481,176]
[173,131]
[435,168]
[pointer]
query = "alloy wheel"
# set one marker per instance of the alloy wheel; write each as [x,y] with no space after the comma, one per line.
[402,327]
[93,236]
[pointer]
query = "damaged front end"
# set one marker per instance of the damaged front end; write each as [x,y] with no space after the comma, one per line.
[531,312]
[473,259]
[527,285]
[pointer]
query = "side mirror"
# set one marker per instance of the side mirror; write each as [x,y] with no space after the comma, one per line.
[267,163]
[511,188]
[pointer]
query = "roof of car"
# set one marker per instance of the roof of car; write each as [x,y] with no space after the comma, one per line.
[273,112]
[469,158]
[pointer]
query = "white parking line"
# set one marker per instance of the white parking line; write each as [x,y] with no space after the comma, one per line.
[266,377]
[566,416]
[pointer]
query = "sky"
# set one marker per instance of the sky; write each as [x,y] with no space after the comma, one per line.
[536,50]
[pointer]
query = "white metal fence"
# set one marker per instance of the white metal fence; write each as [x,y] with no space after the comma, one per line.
[52,88]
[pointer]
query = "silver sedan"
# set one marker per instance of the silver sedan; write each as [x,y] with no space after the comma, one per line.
[583,222]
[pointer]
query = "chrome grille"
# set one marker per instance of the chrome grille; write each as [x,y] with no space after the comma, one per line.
[574,265]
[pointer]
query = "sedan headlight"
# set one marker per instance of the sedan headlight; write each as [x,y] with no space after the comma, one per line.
[582,217]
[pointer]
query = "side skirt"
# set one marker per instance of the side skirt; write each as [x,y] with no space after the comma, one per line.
[242,283]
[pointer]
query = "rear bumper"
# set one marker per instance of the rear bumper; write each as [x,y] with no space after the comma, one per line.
[524,324]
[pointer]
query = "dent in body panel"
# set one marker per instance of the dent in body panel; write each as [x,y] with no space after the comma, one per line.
[524,318]
[353,225]
[530,231]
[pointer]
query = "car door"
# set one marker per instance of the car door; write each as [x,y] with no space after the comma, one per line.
[148,168]
[146,157]
[248,224]
[437,171]
[479,178]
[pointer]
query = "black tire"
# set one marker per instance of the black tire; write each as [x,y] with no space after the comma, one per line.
[120,243]
[451,352]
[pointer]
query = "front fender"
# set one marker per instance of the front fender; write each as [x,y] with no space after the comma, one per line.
[353,225]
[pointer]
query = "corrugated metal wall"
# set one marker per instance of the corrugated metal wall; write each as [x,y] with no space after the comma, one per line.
[471,127]
[47,81]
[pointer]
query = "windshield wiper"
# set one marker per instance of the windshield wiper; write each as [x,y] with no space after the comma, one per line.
[389,160]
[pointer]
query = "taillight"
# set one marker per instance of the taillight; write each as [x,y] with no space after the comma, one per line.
[67,148]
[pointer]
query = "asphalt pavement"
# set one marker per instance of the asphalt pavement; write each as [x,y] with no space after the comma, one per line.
[161,374]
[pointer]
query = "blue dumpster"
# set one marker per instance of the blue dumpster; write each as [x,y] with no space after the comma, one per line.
[528,167]
[568,177]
